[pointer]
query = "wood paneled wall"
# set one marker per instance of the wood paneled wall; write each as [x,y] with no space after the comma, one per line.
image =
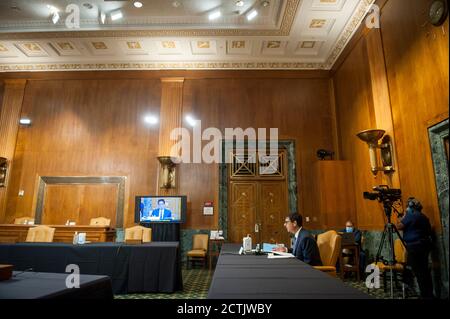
[413,68]
[93,126]
[299,108]
[86,128]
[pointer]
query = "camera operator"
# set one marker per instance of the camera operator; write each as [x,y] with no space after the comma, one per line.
[417,236]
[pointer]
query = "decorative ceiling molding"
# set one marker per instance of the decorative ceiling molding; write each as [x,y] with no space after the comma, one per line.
[284,30]
[161,66]
[314,34]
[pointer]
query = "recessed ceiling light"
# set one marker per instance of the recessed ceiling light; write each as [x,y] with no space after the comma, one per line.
[116,15]
[55,18]
[252,14]
[52,9]
[102,17]
[137,4]
[176,4]
[151,119]
[239,3]
[214,15]
[265,3]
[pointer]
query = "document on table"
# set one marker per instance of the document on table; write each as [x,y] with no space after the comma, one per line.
[278,254]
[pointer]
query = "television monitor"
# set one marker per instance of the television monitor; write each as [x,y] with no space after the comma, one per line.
[160,209]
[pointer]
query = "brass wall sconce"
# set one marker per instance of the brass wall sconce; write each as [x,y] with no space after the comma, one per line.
[372,137]
[167,171]
[3,167]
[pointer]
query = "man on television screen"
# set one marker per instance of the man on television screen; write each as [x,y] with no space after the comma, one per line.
[161,213]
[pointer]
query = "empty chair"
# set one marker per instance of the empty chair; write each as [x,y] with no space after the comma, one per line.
[24,220]
[134,233]
[40,234]
[199,249]
[329,244]
[100,221]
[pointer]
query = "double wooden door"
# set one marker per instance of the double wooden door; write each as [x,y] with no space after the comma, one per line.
[258,205]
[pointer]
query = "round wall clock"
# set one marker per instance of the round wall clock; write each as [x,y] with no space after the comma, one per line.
[438,12]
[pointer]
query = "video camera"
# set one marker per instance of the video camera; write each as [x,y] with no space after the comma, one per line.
[383,193]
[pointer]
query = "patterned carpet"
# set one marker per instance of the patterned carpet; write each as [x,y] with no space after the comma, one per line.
[196,284]
[197,281]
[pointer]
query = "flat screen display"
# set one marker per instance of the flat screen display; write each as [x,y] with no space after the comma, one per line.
[160,209]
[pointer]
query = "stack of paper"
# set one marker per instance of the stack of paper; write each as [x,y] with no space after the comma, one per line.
[277,254]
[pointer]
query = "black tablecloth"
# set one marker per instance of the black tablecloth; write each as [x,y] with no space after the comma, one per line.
[152,267]
[34,285]
[257,277]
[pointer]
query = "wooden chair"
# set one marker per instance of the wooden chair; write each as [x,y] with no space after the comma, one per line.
[23,220]
[199,249]
[40,234]
[137,233]
[100,221]
[329,244]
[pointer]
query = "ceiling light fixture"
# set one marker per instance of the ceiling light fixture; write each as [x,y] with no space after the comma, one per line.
[239,3]
[214,15]
[52,9]
[55,18]
[176,4]
[252,14]
[116,15]
[138,4]
[102,17]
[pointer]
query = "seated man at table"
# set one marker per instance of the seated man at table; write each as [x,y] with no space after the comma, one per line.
[350,228]
[304,247]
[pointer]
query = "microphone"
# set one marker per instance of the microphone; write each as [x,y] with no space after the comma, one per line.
[26,270]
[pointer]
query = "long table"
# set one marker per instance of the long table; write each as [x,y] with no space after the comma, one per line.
[14,233]
[258,277]
[39,285]
[152,267]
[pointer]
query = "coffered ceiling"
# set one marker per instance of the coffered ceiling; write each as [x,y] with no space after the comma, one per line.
[166,34]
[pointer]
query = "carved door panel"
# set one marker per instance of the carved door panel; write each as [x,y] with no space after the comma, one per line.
[242,211]
[272,211]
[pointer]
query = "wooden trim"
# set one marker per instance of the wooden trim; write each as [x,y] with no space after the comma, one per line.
[10,111]
[187,74]
[334,122]
[85,180]
[360,33]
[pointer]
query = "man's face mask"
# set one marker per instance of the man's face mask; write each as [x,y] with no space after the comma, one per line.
[349,229]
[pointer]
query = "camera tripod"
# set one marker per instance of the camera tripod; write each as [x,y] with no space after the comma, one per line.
[389,230]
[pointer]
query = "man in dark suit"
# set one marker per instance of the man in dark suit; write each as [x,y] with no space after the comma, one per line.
[162,213]
[350,228]
[304,247]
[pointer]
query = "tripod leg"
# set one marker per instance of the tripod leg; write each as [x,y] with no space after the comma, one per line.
[380,247]
[392,256]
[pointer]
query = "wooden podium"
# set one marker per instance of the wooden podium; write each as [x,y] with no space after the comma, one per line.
[13,233]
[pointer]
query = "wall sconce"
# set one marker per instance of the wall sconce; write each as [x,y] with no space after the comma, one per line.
[372,137]
[166,172]
[3,166]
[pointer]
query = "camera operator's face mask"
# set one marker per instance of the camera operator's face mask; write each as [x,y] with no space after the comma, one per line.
[349,229]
